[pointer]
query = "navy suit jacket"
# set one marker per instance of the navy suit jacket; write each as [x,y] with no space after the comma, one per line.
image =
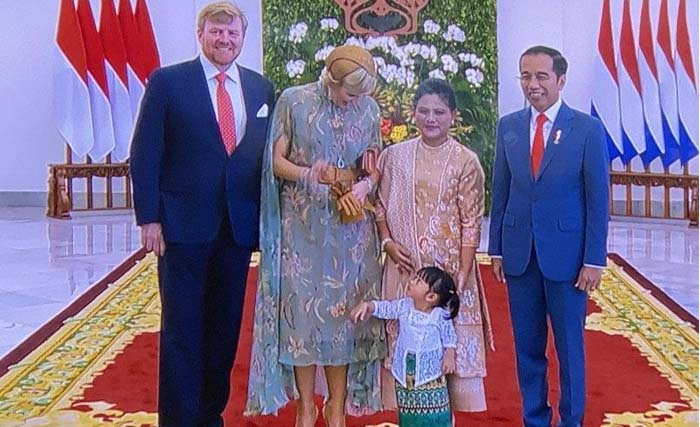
[182,176]
[564,210]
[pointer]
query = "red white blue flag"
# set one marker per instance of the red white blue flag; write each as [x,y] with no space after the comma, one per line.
[605,102]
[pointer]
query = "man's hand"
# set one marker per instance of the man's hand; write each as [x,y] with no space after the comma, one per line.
[589,278]
[448,361]
[152,238]
[497,268]
[400,255]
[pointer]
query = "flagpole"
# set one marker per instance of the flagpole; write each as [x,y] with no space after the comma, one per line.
[667,197]
[88,161]
[628,201]
[108,160]
[686,190]
[69,184]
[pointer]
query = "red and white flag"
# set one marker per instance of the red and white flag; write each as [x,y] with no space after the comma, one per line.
[605,102]
[667,86]
[117,80]
[631,110]
[71,98]
[102,127]
[653,129]
[135,68]
[150,56]
[687,89]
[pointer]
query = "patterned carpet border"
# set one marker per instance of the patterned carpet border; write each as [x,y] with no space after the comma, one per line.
[39,388]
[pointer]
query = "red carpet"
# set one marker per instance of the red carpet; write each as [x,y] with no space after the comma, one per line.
[620,379]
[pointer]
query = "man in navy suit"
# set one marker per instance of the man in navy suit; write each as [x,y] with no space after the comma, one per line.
[548,231]
[196,159]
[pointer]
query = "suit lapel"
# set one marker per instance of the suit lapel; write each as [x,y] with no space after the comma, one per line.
[250,99]
[203,104]
[520,146]
[561,124]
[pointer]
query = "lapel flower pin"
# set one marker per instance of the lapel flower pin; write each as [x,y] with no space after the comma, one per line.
[557,136]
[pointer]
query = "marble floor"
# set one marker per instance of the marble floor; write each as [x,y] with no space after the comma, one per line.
[46,263]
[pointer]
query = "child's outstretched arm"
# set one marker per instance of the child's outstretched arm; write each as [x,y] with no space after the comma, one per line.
[362,311]
[381,309]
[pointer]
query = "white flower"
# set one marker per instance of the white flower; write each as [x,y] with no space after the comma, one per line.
[388,72]
[385,43]
[379,61]
[474,76]
[297,32]
[471,59]
[454,33]
[354,41]
[408,62]
[410,78]
[424,52]
[411,49]
[431,27]
[329,24]
[398,53]
[295,67]
[437,74]
[433,53]
[428,52]
[322,53]
[449,64]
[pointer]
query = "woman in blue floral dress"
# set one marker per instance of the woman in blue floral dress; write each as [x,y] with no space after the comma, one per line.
[315,266]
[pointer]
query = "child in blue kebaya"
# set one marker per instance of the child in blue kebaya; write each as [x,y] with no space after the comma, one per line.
[425,349]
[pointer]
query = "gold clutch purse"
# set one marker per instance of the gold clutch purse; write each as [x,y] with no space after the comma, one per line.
[341,181]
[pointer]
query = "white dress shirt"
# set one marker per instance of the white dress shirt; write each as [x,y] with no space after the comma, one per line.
[234,89]
[551,114]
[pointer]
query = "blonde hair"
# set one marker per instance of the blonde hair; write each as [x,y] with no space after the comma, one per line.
[220,12]
[358,82]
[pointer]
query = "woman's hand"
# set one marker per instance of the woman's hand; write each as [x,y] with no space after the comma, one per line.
[448,361]
[361,189]
[361,311]
[318,169]
[401,257]
[309,178]
[348,204]
[462,277]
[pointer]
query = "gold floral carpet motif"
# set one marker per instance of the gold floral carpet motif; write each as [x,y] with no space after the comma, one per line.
[43,388]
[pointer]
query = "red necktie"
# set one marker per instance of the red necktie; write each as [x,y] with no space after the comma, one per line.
[227,120]
[538,144]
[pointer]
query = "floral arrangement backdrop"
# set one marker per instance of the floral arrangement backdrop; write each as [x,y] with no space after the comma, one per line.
[456,41]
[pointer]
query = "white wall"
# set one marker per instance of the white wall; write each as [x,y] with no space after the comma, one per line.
[29,140]
[28,135]
[570,26]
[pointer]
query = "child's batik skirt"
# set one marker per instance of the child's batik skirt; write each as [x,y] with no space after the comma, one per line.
[424,406]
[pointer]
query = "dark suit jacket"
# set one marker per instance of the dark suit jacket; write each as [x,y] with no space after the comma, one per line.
[182,176]
[564,210]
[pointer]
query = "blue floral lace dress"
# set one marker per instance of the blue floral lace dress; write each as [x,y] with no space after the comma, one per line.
[313,268]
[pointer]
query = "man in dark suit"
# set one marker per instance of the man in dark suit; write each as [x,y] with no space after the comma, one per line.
[195,163]
[548,231]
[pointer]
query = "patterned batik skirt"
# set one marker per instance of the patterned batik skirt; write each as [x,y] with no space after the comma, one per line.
[425,406]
